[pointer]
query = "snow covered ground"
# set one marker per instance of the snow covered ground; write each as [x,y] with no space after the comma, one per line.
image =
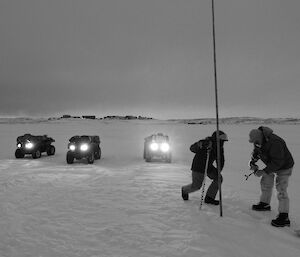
[123,206]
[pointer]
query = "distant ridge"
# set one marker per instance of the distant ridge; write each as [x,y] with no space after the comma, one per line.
[200,121]
[240,120]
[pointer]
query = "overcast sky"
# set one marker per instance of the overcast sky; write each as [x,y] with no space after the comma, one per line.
[149,57]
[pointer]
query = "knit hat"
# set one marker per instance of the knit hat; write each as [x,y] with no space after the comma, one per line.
[255,136]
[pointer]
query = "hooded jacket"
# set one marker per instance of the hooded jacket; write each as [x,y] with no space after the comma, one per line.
[200,150]
[273,152]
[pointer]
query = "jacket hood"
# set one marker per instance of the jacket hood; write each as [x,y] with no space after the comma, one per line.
[266,131]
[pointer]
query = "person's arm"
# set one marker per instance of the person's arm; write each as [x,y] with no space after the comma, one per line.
[200,145]
[276,157]
[194,147]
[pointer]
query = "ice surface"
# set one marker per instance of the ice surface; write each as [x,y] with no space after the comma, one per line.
[123,206]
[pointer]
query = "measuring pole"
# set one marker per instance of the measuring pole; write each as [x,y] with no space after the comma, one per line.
[217,109]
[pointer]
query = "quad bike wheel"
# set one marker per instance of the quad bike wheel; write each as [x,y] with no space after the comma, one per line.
[70,158]
[51,150]
[19,154]
[37,154]
[98,154]
[91,158]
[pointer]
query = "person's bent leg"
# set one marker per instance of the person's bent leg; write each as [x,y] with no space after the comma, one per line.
[213,188]
[282,181]
[266,184]
[197,180]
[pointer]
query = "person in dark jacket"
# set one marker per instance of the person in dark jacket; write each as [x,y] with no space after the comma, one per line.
[273,152]
[198,167]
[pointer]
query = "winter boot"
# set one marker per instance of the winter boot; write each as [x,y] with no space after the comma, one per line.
[261,207]
[185,196]
[210,200]
[282,220]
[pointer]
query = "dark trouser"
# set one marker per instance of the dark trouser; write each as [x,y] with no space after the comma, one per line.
[197,180]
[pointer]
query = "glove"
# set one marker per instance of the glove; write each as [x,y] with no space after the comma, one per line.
[209,145]
[256,152]
[255,156]
[259,173]
[205,144]
[253,166]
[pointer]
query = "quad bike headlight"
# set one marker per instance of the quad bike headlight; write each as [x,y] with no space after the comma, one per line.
[29,145]
[19,145]
[154,146]
[72,147]
[84,147]
[164,147]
